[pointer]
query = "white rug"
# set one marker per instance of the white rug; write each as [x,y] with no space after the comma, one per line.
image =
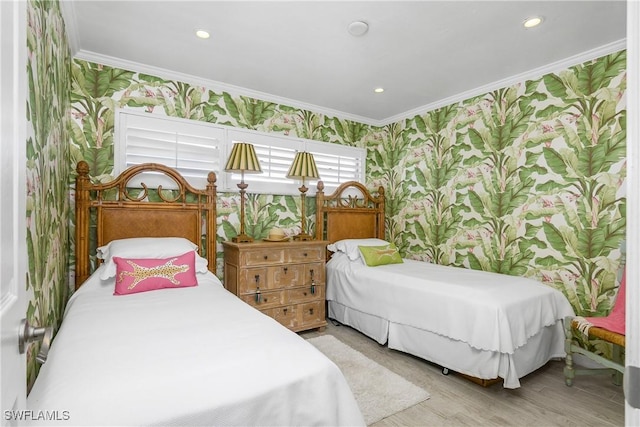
[378,391]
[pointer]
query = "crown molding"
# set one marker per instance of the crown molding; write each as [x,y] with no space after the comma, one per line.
[220,86]
[512,80]
[213,84]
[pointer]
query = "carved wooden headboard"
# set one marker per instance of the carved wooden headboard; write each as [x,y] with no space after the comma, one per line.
[351,212]
[124,209]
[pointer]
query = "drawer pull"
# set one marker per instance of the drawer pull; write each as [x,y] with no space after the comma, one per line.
[311,273]
[304,254]
[285,310]
[266,257]
[258,296]
[286,269]
[257,277]
[313,289]
[311,311]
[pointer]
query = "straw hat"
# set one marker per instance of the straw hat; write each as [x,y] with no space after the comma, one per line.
[276,234]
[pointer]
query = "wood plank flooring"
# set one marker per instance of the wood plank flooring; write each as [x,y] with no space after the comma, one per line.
[542,400]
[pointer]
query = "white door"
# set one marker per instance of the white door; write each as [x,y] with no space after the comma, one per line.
[13,254]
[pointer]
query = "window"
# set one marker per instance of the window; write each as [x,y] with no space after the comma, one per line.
[195,148]
[189,147]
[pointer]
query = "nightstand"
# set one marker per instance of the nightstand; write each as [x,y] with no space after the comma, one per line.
[284,280]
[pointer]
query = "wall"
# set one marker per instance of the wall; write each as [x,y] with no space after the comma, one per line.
[526,180]
[98,91]
[47,169]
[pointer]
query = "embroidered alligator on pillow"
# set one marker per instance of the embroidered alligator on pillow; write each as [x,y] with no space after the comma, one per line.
[166,271]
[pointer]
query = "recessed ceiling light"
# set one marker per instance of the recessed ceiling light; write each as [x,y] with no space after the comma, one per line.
[358,28]
[534,21]
[379,90]
[202,34]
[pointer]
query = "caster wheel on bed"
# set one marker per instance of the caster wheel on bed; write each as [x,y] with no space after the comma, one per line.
[445,371]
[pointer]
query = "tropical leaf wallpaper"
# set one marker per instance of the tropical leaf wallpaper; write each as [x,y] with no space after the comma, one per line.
[47,169]
[98,90]
[526,180]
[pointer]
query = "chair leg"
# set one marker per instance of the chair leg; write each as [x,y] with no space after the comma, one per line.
[569,371]
[618,358]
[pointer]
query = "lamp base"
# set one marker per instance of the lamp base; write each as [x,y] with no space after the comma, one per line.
[303,237]
[242,238]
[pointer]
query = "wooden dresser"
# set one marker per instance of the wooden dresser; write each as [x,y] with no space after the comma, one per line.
[284,280]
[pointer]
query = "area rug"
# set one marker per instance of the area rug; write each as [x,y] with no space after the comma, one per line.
[378,391]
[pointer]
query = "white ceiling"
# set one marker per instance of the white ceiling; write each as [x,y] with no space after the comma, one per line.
[299,53]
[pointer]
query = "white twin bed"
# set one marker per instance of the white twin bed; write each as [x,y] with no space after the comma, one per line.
[481,324]
[192,355]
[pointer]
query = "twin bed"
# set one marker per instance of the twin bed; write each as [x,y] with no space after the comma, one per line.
[191,355]
[484,325]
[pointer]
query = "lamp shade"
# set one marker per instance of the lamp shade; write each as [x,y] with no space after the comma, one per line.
[303,166]
[243,158]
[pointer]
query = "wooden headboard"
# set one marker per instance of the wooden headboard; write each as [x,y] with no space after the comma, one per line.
[187,212]
[351,212]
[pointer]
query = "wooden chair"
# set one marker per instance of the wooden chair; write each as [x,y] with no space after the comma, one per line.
[610,329]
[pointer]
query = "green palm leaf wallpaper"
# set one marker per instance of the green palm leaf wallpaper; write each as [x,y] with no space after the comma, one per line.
[47,169]
[98,90]
[525,180]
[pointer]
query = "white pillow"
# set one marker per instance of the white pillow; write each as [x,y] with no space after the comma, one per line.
[146,247]
[350,246]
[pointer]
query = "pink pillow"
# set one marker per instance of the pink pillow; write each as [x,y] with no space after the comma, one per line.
[141,275]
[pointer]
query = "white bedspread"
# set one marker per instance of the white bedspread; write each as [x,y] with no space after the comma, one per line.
[189,356]
[489,311]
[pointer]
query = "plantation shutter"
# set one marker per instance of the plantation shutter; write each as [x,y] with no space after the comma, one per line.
[190,148]
[337,163]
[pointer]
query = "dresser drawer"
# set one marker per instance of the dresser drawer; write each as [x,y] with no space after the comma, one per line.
[314,273]
[250,279]
[305,254]
[285,276]
[312,312]
[286,316]
[305,294]
[264,300]
[262,256]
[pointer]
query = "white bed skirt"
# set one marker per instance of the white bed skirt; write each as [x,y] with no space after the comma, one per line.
[457,356]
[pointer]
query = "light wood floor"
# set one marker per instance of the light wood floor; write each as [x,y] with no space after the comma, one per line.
[542,400]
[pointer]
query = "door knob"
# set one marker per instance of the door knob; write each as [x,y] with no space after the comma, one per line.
[29,334]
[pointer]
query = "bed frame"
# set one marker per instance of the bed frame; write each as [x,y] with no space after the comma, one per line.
[119,214]
[351,212]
